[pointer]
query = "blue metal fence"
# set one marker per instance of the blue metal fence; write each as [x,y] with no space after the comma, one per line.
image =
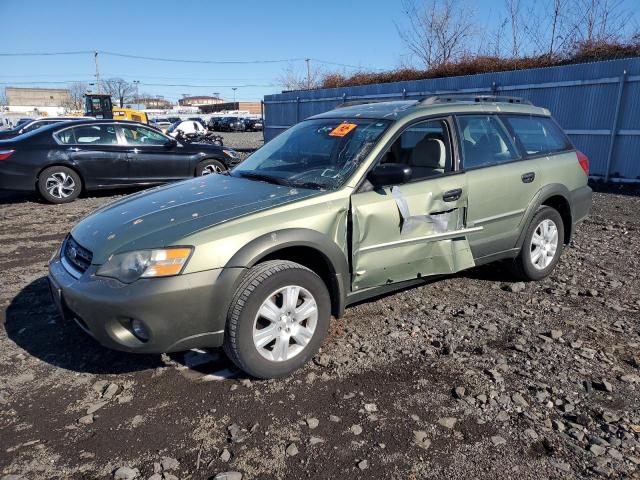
[598,105]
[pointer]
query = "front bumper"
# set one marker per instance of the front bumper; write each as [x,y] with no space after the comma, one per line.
[179,313]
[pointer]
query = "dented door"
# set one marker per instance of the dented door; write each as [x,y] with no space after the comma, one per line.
[410,231]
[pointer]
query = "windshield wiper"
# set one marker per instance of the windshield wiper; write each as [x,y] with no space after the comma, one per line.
[312,185]
[264,178]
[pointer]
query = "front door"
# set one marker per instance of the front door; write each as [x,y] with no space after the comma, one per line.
[417,229]
[150,159]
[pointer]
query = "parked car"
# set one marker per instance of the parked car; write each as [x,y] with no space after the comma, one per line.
[187,127]
[24,120]
[173,119]
[61,160]
[215,124]
[253,124]
[342,207]
[198,119]
[232,124]
[163,125]
[33,125]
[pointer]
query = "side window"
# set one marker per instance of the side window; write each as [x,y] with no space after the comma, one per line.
[89,135]
[538,135]
[142,136]
[425,147]
[484,141]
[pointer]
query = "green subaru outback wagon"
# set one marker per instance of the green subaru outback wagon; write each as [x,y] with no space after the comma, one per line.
[341,207]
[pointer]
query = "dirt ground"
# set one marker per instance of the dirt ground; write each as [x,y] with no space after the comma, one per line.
[471,376]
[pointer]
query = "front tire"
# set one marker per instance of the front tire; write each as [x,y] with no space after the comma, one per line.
[59,184]
[278,319]
[542,247]
[210,167]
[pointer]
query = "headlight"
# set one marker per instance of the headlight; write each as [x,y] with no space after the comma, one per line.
[231,153]
[129,267]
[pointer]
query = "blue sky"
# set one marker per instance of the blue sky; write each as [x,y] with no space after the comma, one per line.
[357,32]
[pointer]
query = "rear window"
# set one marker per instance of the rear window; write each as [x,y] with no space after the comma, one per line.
[538,135]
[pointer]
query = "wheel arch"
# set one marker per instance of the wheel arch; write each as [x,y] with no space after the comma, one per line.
[209,157]
[555,196]
[306,247]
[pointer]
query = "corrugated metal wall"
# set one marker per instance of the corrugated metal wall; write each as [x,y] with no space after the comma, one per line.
[589,100]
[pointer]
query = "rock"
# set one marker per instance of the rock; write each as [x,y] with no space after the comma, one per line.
[519,400]
[334,418]
[555,334]
[531,433]
[459,392]
[603,386]
[313,423]
[99,386]
[370,407]
[225,456]
[597,450]
[126,473]
[95,407]
[86,420]
[630,378]
[615,454]
[228,476]
[420,439]
[169,476]
[155,476]
[363,465]
[315,440]
[137,420]
[514,287]
[292,450]
[124,398]
[110,391]
[448,422]
[323,360]
[562,466]
[356,429]
[498,440]
[169,463]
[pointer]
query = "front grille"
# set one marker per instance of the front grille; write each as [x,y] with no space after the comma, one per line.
[77,256]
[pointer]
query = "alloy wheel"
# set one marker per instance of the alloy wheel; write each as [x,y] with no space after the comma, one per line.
[544,244]
[211,169]
[285,323]
[60,185]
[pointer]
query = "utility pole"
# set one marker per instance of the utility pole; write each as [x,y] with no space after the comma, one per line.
[95,58]
[308,74]
[136,83]
[234,93]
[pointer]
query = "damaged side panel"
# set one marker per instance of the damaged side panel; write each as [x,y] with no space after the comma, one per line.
[408,232]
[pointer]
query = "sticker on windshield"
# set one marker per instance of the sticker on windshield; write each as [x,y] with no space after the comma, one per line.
[342,129]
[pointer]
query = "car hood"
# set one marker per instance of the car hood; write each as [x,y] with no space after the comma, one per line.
[163,216]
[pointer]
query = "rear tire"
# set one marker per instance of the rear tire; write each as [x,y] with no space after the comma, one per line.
[542,246]
[277,320]
[59,184]
[209,167]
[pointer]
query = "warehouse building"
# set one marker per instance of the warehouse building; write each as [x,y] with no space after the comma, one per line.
[49,101]
[253,108]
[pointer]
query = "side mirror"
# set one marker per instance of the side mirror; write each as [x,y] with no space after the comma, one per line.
[170,143]
[389,174]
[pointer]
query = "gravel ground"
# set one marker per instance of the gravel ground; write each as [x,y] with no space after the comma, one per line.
[242,140]
[472,376]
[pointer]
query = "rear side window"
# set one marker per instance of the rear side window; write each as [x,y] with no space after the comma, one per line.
[485,141]
[89,135]
[538,135]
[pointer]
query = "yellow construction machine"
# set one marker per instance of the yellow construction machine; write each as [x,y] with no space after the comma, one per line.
[99,105]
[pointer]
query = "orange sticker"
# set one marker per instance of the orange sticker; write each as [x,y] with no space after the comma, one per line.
[342,129]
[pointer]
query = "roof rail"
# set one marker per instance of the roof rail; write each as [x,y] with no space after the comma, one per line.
[460,97]
[353,103]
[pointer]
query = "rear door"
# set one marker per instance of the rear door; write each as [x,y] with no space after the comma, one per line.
[151,160]
[417,229]
[96,151]
[501,182]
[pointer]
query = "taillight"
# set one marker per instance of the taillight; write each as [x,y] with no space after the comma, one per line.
[583,160]
[4,154]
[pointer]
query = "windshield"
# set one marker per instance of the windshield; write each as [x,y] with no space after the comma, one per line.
[174,126]
[318,154]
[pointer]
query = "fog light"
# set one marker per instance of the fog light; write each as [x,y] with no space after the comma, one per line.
[139,330]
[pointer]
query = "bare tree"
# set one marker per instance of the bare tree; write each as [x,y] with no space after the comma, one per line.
[76,95]
[119,89]
[3,98]
[296,78]
[437,31]
[599,20]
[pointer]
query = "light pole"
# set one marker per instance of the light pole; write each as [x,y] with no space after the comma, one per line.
[136,83]
[234,93]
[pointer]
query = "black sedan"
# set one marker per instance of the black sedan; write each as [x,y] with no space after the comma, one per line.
[61,160]
[30,125]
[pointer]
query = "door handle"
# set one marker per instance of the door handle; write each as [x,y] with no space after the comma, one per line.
[528,177]
[452,195]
